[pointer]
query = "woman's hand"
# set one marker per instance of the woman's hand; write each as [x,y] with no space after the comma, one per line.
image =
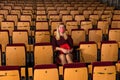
[70,51]
[64,50]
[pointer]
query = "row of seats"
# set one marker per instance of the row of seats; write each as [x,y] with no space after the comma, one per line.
[42,36]
[76,71]
[16,54]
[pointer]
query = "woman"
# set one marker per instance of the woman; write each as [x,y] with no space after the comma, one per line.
[63,43]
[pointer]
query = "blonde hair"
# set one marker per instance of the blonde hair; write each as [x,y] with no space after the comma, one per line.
[58,33]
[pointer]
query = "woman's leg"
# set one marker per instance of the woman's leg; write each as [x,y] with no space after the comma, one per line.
[69,58]
[62,59]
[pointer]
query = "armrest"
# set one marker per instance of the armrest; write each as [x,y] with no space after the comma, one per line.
[23,73]
[30,73]
[78,54]
[55,55]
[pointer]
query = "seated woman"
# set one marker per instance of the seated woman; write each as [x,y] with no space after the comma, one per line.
[64,44]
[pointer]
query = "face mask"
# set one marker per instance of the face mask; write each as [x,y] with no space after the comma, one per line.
[62,30]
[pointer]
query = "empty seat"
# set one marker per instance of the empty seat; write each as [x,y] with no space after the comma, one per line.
[116,17]
[15,55]
[5,12]
[98,12]
[21,36]
[74,12]
[116,11]
[75,71]
[39,12]
[104,26]
[81,9]
[8,25]
[86,25]
[104,70]
[42,25]
[46,72]
[63,12]
[114,34]
[107,12]
[16,12]
[9,73]
[53,17]
[86,13]
[42,36]
[115,24]
[106,17]
[52,12]
[4,39]
[109,48]
[26,17]
[41,17]
[71,25]
[43,53]
[95,35]
[79,18]
[94,19]
[24,25]
[66,18]
[12,17]
[7,7]
[88,52]
[78,35]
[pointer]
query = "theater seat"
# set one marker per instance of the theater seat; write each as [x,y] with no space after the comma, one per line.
[75,71]
[9,73]
[104,70]
[46,72]
[109,51]
[43,53]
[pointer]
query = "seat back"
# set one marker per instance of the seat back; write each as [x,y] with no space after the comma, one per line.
[42,36]
[71,25]
[41,17]
[86,25]
[16,12]
[43,53]
[104,26]
[24,25]
[115,24]
[8,25]
[42,25]
[66,18]
[79,18]
[109,48]
[75,71]
[88,51]
[95,35]
[13,17]
[116,17]
[5,12]
[94,18]
[104,70]
[4,39]
[78,35]
[9,73]
[15,55]
[46,72]
[114,35]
